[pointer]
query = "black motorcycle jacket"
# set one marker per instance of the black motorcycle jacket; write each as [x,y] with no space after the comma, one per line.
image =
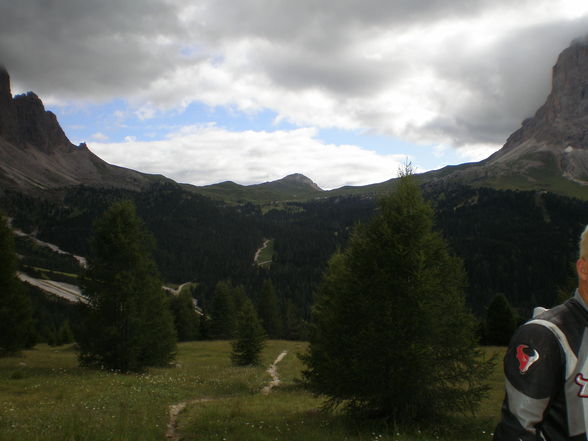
[546,370]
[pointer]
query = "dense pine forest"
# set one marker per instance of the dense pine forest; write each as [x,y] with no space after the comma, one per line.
[516,243]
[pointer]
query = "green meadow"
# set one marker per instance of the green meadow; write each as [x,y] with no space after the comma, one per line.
[45,396]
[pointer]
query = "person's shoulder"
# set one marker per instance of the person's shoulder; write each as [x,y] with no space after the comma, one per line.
[556,311]
[564,324]
[545,328]
[558,315]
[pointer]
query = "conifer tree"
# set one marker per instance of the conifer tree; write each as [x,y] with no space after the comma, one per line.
[204,327]
[186,320]
[268,309]
[222,312]
[16,323]
[500,321]
[250,337]
[128,325]
[65,333]
[293,325]
[391,332]
[238,297]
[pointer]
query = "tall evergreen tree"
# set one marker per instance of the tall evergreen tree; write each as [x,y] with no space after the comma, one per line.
[186,319]
[16,323]
[500,321]
[128,325]
[204,327]
[268,309]
[391,332]
[250,336]
[222,312]
[65,334]
[238,296]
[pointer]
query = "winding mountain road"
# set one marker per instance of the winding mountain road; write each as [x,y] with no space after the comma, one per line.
[66,291]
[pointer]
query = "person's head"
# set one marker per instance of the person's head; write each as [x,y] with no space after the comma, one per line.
[582,264]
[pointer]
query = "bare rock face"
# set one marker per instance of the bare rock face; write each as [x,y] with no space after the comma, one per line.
[560,126]
[36,126]
[24,120]
[553,144]
[35,153]
[5,94]
[562,119]
[8,118]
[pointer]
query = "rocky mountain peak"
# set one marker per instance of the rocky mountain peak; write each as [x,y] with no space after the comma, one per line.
[5,94]
[300,179]
[562,120]
[550,150]
[35,153]
[569,94]
[36,126]
[25,122]
[555,140]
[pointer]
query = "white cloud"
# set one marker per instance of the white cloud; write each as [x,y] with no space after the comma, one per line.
[99,136]
[465,78]
[428,71]
[477,152]
[203,155]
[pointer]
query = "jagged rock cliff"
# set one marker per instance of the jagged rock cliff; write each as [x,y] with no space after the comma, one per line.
[550,150]
[35,153]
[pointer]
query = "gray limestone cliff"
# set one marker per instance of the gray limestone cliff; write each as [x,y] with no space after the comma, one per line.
[36,155]
[549,150]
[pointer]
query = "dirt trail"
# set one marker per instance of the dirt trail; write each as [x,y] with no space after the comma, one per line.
[176,292]
[174,410]
[273,371]
[258,252]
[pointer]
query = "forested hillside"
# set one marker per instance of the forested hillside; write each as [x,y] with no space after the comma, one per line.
[518,243]
[202,240]
[522,244]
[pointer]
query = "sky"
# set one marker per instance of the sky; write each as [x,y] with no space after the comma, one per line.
[342,91]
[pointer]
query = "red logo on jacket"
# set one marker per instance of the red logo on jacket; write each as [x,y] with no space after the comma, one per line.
[526,360]
[583,383]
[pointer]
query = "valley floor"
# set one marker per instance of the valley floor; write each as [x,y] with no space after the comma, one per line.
[45,396]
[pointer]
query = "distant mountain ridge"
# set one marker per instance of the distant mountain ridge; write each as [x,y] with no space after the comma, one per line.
[292,187]
[548,152]
[36,155]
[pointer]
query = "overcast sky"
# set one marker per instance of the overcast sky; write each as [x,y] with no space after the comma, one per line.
[342,91]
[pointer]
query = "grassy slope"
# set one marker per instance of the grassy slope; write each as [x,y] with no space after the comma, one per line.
[45,396]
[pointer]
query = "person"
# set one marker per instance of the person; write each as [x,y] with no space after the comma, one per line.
[546,370]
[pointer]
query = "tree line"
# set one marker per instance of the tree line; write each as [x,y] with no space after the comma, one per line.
[520,244]
[128,323]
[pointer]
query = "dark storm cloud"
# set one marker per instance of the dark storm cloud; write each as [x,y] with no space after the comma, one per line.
[340,74]
[105,49]
[310,40]
[87,49]
[329,22]
[506,83]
